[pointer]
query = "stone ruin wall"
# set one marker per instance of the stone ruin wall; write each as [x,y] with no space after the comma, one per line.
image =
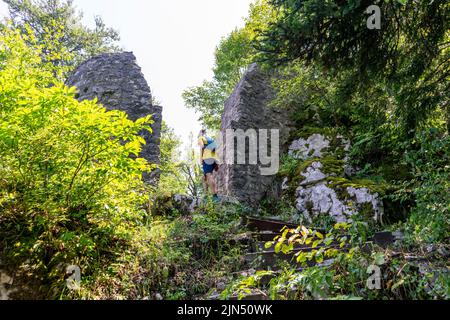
[315,195]
[118,83]
[248,108]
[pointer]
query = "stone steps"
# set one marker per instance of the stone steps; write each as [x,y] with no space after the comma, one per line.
[260,258]
[257,256]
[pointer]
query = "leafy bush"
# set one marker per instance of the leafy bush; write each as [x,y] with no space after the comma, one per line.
[199,251]
[344,269]
[70,176]
[347,278]
[172,179]
[430,218]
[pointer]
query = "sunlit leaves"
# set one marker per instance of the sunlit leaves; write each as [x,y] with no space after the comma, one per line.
[246,285]
[313,244]
[232,57]
[73,166]
[56,27]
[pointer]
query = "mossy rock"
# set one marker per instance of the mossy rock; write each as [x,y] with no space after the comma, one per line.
[306,132]
[330,166]
[166,205]
[339,183]
[327,183]
[333,166]
[337,140]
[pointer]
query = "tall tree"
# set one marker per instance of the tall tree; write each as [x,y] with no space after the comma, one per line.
[410,54]
[233,55]
[58,22]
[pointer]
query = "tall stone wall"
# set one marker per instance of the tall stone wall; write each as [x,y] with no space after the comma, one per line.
[118,83]
[248,108]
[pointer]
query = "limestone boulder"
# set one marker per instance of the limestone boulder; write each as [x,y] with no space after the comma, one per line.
[170,205]
[326,186]
[312,147]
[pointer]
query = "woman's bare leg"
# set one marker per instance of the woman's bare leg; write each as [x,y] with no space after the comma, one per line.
[211,183]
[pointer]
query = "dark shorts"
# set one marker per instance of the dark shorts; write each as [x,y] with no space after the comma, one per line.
[208,168]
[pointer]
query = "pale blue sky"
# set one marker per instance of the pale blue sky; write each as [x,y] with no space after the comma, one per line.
[174,42]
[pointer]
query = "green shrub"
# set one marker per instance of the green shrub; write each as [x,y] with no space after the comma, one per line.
[430,218]
[348,273]
[70,176]
[199,250]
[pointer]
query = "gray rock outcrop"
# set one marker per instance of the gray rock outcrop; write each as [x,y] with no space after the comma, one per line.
[5,283]
[325,187]
[118,83]
[248,108]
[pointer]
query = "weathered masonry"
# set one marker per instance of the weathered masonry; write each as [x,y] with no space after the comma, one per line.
[118,83]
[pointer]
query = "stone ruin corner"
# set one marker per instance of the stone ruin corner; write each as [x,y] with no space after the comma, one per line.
[118,83]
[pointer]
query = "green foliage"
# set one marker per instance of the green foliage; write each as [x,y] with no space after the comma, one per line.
[336,33]
[208,100]
[245,286]
[232,57]
[172,179]
[408,56]
[199,250]
[346,279]
[324,246]
[304,89]
[70,186]
[56,24]
[430,218]
[346,275]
